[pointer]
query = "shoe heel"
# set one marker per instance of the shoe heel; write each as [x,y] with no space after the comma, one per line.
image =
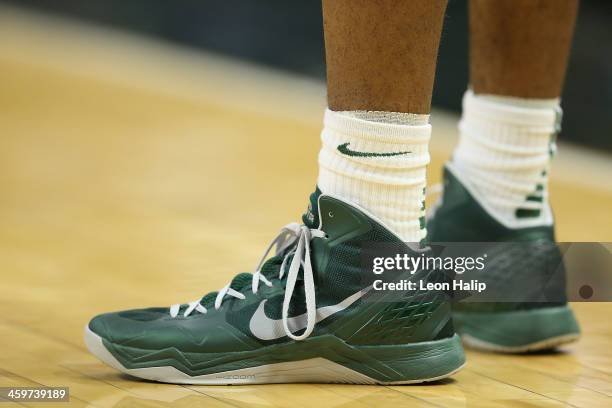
[419,362]
[518,331]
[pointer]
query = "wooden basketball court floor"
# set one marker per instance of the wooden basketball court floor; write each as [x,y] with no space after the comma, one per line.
[134,173]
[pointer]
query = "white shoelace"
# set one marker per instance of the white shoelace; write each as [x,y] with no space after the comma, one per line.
[290,235]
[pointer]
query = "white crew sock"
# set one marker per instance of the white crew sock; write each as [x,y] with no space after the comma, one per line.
[378,161]
[504,153]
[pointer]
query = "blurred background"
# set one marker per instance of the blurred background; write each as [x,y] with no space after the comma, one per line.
[288,35]
[150,148]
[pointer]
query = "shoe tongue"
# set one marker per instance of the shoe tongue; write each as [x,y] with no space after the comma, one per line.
[271,267]
[311,217]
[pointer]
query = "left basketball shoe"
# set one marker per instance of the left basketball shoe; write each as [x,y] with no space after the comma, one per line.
[305,315]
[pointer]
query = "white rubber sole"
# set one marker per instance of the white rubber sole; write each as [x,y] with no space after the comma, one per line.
[551,343]
[314,370]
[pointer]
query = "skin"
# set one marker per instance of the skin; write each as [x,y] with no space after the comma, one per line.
[381,54]
[520,48]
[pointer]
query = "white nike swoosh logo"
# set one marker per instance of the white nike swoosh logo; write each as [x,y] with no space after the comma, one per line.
[265,328]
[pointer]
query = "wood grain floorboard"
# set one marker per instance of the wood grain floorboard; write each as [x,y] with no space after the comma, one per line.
[129,167]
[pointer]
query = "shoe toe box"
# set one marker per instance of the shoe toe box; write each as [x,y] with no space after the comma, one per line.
[125,326]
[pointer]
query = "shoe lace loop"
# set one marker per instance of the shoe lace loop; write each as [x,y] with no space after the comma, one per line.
[293,240]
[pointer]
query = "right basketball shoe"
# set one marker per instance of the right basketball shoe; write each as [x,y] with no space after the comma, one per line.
[528,266]
[306,315]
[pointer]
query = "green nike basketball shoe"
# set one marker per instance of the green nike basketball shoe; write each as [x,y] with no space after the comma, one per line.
[529,274]
[305,315]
